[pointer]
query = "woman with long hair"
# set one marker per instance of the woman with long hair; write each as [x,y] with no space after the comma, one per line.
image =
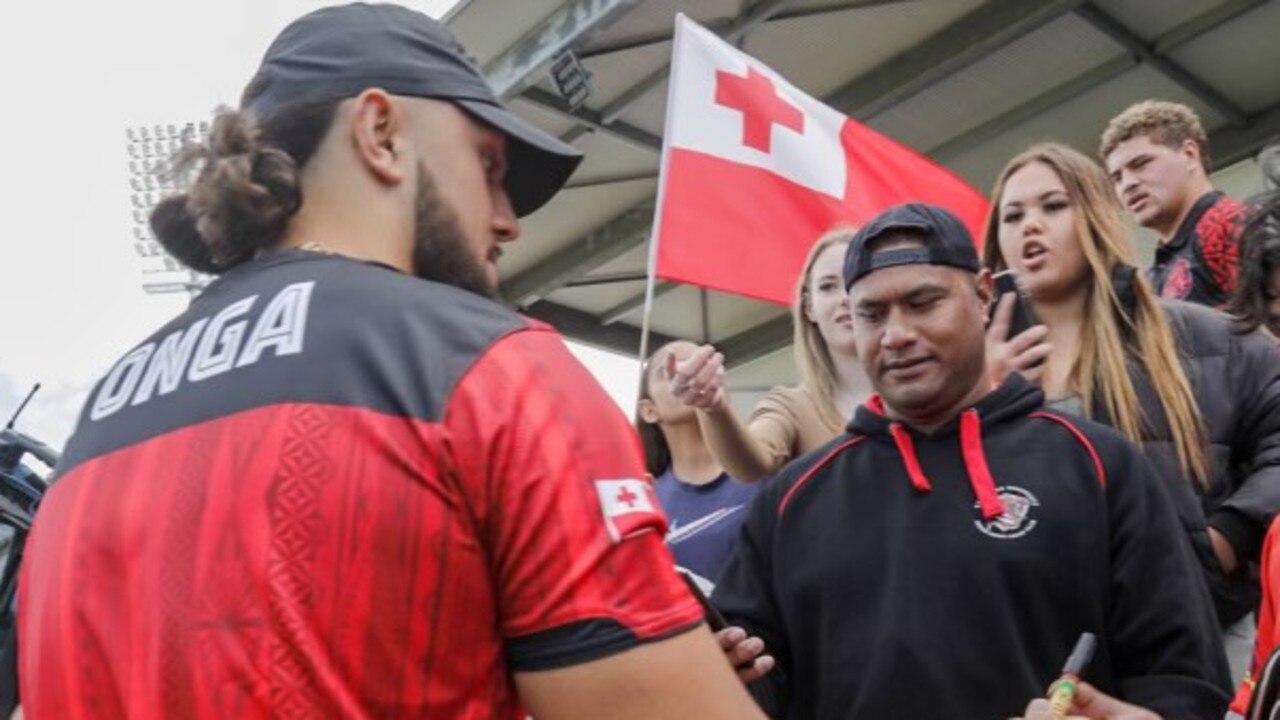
[789,421]
[1201,399]
[704,505]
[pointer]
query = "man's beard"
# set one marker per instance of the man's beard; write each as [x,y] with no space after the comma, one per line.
[441,252]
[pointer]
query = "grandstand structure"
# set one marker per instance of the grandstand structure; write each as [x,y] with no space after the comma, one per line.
[966,82]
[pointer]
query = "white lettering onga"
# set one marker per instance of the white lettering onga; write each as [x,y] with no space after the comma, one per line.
[280,325]
[218,346]
[207,348]
[120,383]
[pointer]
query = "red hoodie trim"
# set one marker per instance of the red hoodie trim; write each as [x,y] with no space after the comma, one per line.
[875,404]
[975,461]
[1097,462]
[782,506]
[907,450]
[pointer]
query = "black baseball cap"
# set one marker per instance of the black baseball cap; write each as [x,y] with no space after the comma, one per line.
[946,242]
[338,52]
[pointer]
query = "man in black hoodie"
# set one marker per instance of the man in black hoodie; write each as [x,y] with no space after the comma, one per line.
[941,558]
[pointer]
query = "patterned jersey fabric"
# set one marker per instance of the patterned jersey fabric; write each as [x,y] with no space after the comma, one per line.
[330,489]
[1200,263]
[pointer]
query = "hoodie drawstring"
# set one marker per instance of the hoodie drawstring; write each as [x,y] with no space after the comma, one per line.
[975,461]
[907,449]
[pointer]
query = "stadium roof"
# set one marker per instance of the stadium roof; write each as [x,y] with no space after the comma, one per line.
[967,82]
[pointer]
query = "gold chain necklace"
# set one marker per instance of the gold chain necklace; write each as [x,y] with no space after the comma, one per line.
[316,247]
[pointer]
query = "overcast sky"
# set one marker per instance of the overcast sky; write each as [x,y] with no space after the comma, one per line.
[74,77]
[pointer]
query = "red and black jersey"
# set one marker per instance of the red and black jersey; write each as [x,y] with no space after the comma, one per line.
[330,489]
[1200,263]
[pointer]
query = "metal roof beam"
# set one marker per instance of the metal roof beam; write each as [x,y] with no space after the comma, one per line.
[614,278]
[739,349]
[611,179]
[589,252]
[513,70]
[991,26]
[585,328]
[1033,108]
[626,307]
[720,27]
[737,30]
[1167,42]
[1233,144]
[754,343]
[456,10]
[1202,23]
[1146,52]
[590,120]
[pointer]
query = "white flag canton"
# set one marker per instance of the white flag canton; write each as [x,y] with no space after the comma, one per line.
[726,103]
[628,506]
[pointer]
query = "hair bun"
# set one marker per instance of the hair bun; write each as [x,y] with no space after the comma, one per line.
[175,227]
[242,195]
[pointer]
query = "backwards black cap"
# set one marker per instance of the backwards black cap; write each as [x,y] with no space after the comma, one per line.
[337,52]
[946,241]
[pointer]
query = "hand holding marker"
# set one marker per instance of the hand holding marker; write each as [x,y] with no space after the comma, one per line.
[1064,690]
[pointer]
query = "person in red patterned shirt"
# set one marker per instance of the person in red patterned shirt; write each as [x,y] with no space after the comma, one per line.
[1157,155]
[345,482]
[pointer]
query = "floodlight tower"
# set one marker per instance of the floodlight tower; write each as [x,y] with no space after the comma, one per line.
[151,178]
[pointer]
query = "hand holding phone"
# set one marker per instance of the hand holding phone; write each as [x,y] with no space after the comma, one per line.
[745,653]
[709,611]
[1023,317]
[1016,341]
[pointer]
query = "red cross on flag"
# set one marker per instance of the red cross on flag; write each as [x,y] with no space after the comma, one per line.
[629,506]
[754,171]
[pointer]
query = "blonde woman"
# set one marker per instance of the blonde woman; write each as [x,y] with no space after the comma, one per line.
[789,421]
[1202,400]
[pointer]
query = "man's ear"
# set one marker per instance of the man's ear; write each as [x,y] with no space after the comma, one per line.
[647,410]
[378,124]
[1191,151]
[985,286]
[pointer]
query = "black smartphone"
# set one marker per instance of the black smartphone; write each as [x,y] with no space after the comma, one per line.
[1023,317]
[714,618]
